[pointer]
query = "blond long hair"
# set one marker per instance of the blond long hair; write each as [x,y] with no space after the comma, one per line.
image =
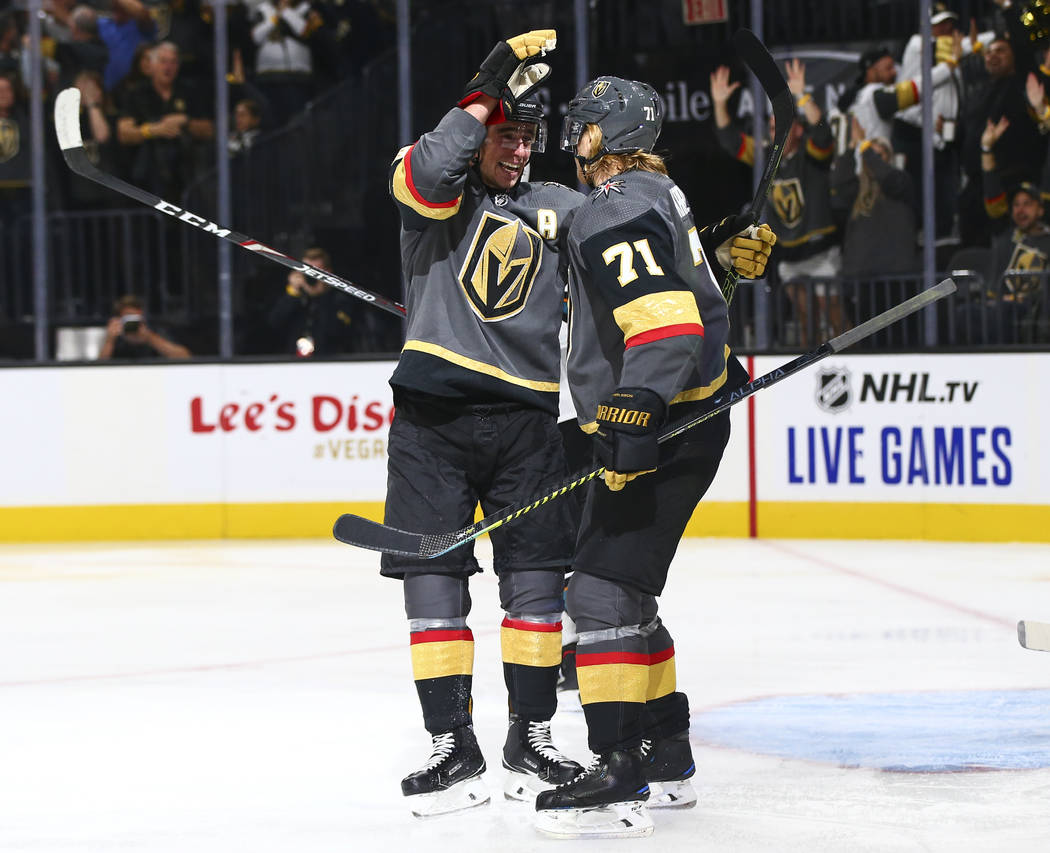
[610,165]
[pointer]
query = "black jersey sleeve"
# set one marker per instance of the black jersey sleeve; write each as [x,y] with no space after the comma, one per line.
[634,272]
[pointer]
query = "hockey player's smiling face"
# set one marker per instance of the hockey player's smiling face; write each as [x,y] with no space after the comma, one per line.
[504,153]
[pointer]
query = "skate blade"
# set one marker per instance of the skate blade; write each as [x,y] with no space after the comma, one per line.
[671,795]
[616,820]
[523,787]
[465,795]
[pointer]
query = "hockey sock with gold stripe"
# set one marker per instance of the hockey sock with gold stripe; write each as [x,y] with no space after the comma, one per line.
[442,666]
[531,646]
[666,710]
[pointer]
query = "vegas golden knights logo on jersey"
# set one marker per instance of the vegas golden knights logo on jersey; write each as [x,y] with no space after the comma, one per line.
[1024,258]
[788,201]
[500,267]
[9,139]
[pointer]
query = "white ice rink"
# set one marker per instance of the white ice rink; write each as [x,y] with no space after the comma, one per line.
[216,697]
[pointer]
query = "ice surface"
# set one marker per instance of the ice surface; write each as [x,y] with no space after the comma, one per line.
[232,696]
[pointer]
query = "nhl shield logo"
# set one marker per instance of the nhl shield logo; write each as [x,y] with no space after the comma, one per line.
[501,266]
[833,390]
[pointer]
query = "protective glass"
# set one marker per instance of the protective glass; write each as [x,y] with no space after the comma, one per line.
[571,130]
[513,134]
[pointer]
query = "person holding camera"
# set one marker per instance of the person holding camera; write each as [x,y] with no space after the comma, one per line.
[128,336]
[311,318]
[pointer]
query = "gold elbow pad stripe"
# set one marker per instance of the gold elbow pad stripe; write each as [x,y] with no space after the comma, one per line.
[746,152]
[436,654]
[818,153]
[613,677]
[530,643]
[658,315]
[406,193]
[996,206]
[907,94]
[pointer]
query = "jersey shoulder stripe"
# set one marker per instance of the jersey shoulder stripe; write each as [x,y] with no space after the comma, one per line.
[406,193]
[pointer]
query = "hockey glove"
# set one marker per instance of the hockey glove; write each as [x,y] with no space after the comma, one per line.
[738,245]
[505,75]
[628,423]
[749,252]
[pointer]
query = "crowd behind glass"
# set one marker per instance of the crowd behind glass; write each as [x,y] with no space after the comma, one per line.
[847,208]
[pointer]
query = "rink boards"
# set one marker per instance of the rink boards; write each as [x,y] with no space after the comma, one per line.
[943,447]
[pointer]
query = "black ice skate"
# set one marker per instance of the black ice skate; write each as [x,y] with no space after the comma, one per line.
[534,762]
[668,764]
[607,800]
[451,779]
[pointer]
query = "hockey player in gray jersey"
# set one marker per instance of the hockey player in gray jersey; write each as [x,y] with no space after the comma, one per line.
[476,395]
[648,331]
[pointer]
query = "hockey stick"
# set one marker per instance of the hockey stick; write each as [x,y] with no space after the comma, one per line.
[1034,635]
[67,128]
[762,65]
[355,530]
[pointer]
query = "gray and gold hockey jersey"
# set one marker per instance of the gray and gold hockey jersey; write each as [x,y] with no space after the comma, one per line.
[644,306]
[484,274]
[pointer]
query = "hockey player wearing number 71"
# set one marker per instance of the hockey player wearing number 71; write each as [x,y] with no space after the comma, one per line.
[648,329]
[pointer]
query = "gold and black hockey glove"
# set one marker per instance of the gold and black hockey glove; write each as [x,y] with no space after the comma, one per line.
[512,70]
[625,441]
[738,245]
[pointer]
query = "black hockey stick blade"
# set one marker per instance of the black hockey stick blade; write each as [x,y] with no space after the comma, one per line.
[67,128]
[761,63]
[1034,635]
[354,530]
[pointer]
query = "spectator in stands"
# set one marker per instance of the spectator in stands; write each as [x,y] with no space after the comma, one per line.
[1016,297]
[191,30]
[310,317]
[15,165]
[137,77]
[11,60]
[800,201]
[994,87]
[128,336]
[162,122]
[1036,85]
[127,25]
[878,200]
[98,119]
[55,23]
[283,61]
[83,50]
[907,125]
[877,96]
[247,118]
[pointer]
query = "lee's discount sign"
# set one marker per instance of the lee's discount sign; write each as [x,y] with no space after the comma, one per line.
[704,11]
[188,433]
[914,428]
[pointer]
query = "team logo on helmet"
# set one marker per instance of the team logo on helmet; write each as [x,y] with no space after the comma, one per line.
[833,389]
[789,201]
[599,88]
[501,266]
